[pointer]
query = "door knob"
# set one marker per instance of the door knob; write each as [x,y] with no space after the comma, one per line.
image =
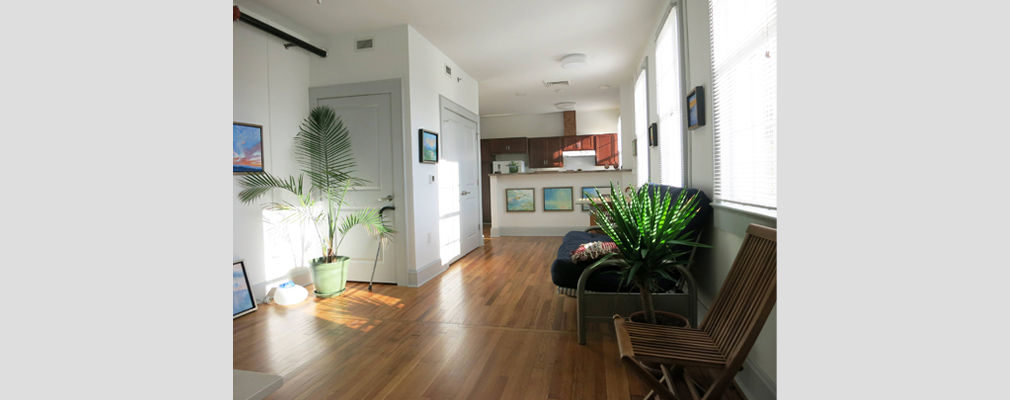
[464,193]
[387,198]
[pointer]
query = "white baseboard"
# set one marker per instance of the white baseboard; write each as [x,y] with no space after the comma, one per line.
[425,273]
[535,230]
[752,380]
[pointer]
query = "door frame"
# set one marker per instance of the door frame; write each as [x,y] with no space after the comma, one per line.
[392,87]
[445,104]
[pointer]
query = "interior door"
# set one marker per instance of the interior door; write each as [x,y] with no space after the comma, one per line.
[368,120]
[459,190]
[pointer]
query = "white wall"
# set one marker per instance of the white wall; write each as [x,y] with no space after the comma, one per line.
[428,81]
[525,125]
[270,86]
[758,379]
[600,121]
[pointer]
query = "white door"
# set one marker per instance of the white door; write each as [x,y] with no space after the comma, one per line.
[368,120]
[459,189]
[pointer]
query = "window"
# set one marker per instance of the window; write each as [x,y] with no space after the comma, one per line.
[642,127]
[743,35]
[668,103]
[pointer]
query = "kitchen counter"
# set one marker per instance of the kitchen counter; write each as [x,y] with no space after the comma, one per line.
[547,223]
[565,172]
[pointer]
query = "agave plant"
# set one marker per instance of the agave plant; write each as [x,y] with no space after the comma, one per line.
[647,226]
[323,151]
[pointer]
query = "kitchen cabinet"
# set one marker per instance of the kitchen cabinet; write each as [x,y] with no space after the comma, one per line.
[485,151]
[578,143]
[606,149]
[508,146]
[545,152]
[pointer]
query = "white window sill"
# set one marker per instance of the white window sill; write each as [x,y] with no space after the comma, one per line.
[735,218]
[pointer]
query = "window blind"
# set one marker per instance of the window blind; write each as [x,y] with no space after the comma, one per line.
[642,128]
[668,103]
[744,92]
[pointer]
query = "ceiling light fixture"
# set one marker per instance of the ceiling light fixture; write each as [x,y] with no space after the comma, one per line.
[575,60]
[567,105]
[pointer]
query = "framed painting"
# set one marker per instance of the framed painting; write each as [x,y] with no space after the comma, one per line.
[429,146]
[520,200]
[593,193]
[558,199]
[242,301]
[246,148]
[696,108]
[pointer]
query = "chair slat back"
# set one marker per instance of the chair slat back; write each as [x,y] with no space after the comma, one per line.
[746,297]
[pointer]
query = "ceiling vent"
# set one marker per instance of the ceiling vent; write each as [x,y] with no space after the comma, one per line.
[556,83]
[363,44]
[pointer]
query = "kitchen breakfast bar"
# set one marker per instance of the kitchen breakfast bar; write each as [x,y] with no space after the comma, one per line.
[551,215]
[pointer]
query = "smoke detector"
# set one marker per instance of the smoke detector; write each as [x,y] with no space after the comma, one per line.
[576,60]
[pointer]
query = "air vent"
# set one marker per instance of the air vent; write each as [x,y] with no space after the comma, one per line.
[363,44]
[556,83]
[448,70]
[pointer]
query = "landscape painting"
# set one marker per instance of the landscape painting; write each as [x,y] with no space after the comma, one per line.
[241,296]
[429,146]
[247,148]
[593,193]
[519,200]
[558,199]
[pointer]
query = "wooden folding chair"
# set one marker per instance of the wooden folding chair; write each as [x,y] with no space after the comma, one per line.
[727,333]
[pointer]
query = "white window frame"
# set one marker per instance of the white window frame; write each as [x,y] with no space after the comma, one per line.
[762,200]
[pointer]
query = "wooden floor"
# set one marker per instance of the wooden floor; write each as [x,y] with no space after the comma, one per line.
[490,327]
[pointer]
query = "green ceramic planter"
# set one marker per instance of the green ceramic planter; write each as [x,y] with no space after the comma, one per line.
[330,279]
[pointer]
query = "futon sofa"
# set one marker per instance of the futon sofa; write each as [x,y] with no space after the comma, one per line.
[598,292]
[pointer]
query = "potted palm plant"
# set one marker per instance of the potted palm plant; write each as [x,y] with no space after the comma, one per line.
[649,229]
[323,151]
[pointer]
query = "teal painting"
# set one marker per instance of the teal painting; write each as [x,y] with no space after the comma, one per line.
[519,200]
[558,199]
[429,146]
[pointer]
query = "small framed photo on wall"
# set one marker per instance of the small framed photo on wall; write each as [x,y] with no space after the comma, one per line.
[696,108]
[428,146]
[246,148]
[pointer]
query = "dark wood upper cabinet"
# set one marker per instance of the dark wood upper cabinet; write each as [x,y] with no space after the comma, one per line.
[606,149]
[545,152]
[508,145]
[578,143]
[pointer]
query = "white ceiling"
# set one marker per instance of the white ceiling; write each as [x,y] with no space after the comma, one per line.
[509,46]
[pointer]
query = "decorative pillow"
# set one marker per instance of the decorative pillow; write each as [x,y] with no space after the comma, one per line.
[593,251]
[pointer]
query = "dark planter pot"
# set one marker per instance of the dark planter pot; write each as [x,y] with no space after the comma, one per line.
[330,279]
[513,170]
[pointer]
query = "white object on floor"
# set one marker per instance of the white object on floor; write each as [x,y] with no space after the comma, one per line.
[288,293]
[248,385]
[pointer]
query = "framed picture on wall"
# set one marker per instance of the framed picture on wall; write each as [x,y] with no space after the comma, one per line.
[429,146]
[246,148]
[696,108]
[520,200]
[558,199]
[242,301]
[595,193]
